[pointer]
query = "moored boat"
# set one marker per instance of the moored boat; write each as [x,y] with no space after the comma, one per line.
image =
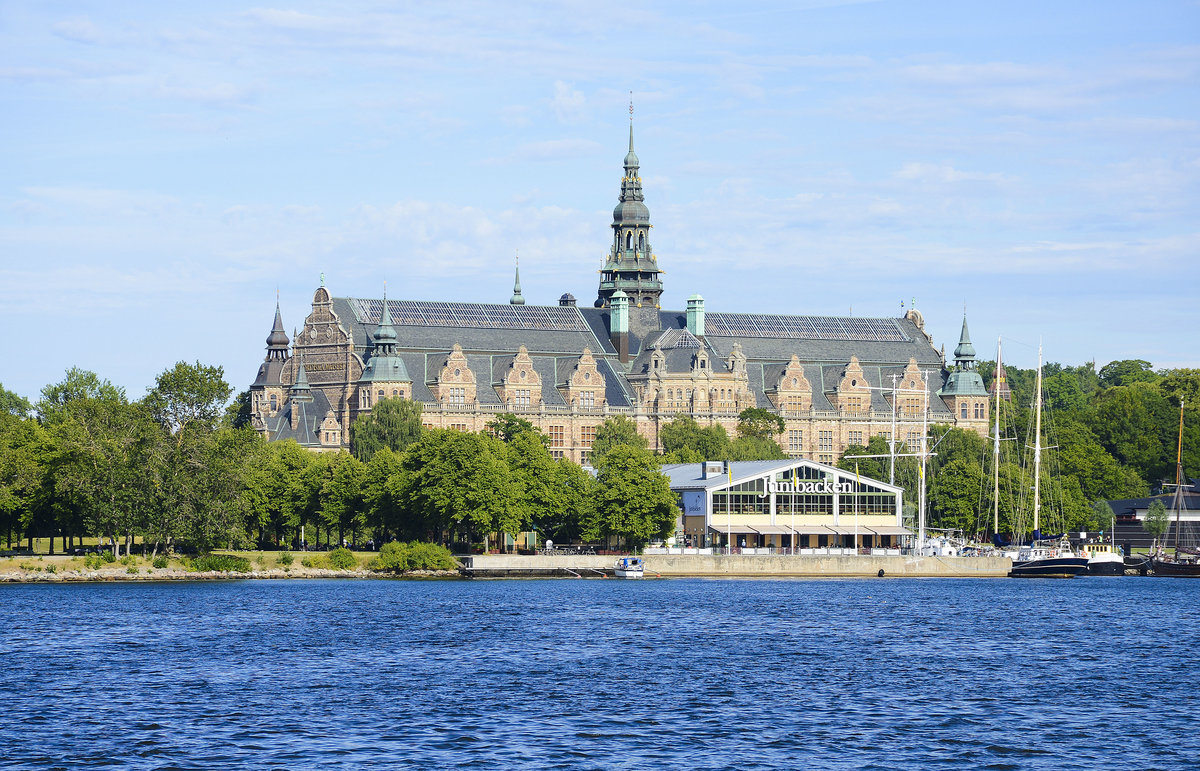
[1185,562]
[630,567]
[1048,560]
[1103,559]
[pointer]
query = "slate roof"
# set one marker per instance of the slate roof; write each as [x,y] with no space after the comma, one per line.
[556,336]
[312,413]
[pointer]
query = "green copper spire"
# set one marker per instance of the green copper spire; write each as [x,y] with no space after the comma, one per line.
[385,333]
[301,382]
[965,352]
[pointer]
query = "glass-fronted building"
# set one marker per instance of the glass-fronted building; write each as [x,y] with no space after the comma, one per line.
[785,505]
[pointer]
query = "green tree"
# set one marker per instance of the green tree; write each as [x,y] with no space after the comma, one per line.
[759,422]
[682,434]
[506,427]
[342,506]
[24,447]
[384,512]
[957,494]
[239,411]
[1138,426]
[188,394]
[1126,372]
[393,423]
[617,431]
[755,448]
[76,386]
[13,404]
[1157,521]
[634,499]
[456,481]
[1102,517]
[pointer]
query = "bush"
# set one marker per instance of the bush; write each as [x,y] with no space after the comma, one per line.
[108,557]
[223,563]
[93,562]
[160,561]
[51,569]
[314,561]
[129,559]
[131,570]
[286,558]
[402,557]
[342,558]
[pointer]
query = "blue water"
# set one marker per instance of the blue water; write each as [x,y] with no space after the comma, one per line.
[602,674]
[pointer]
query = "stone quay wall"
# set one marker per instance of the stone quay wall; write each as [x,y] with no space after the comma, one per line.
[741,566]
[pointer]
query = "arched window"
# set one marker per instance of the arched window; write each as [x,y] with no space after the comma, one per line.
[963,411]
[395,392]
[629,240]
[274,402]
[642,241]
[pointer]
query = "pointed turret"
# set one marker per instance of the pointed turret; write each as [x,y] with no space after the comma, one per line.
[964,354]
[385,373]
[300,387]
[631,265]
[517,299]
[964,380]
[277,341]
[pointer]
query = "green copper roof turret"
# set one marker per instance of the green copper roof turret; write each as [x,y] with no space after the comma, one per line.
[631,265]
[965,351]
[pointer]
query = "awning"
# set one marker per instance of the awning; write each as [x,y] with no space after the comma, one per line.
[773,529]
[889,530]
[811,530]
[844,530]
[734,528]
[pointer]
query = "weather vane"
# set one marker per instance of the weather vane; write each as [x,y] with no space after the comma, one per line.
[631,107]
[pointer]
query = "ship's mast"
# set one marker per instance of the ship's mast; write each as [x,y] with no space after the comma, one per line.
[1179,478]
[1037,446]
[996,453]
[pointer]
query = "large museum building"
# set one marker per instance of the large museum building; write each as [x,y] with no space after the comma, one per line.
[835,380]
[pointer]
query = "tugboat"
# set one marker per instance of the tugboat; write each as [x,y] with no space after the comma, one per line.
[1103,559]
[630,567]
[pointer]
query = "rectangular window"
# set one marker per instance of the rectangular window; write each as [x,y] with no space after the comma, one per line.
[521,399]
[458,396]
[587,399]
[556,436]
[795,441]
[963,411]
[458,427]
[587,435]
[825,440]
[855,437]
[979,411]
[557,454]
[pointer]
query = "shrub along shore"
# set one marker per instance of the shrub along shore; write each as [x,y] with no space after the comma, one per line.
[394,559]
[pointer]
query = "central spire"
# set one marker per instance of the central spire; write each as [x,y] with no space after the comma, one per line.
[517,299]
[631,265]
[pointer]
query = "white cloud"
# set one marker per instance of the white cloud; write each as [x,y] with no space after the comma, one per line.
[567,103]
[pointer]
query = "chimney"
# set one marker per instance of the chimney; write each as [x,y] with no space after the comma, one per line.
[695,315]
[619,324]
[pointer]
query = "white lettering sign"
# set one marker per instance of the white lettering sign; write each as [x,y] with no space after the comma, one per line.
[808,487]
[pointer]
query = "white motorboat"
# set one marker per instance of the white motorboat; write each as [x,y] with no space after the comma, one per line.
[630,567]
[1104,559]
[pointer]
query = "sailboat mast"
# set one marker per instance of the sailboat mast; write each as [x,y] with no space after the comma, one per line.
[996,450]
[1179,477]
[1037,445]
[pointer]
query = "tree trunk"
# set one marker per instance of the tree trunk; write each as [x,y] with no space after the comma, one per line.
[50,551]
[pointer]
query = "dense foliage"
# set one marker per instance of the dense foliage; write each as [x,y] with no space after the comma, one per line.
[179,469]
[1109,435]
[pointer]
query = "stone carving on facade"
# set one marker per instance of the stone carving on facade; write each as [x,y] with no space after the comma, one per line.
[792,394]
[853,392]
[585,386]
[521,388]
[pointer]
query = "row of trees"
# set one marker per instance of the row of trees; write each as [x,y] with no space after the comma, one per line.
[179,469]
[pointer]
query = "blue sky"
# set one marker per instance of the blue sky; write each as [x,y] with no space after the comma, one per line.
[167,167]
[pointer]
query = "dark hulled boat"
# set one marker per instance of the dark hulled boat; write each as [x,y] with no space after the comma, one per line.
[1185,563]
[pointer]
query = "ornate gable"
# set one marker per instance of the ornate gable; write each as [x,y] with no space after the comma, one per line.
[854,393]
[585,386]
[456,385]
[912,396]
[521,388]
[793,392]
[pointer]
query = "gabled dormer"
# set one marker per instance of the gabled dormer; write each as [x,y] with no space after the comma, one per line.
[585,386]
[521,388]
[853,392]
[456,383]
[792,393]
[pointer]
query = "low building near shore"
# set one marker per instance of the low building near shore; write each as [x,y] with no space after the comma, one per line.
[789,506]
